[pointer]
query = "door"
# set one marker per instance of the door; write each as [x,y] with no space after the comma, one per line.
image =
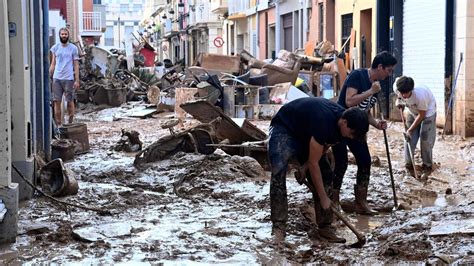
[288,32]
[365,41]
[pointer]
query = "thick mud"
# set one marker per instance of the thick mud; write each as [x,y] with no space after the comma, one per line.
[214,208]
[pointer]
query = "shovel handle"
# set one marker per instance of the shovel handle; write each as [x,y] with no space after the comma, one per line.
[407,140]
[387,148]
[343,218]
[359,235]
[403,118]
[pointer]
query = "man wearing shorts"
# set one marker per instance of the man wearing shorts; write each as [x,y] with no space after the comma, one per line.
[64,70]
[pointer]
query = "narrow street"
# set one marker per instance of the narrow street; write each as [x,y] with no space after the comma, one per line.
[215,208]
[201,132]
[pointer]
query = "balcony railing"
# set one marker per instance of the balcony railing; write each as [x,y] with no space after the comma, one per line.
[171,26]
[238,6]
[91,21]
[218,6]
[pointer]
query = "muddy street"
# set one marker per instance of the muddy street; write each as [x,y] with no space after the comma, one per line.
[215,208]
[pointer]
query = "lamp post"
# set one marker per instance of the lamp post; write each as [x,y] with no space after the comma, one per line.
[119,30]
[181,26]
[181,14]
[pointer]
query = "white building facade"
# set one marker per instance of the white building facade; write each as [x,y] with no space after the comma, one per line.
[122,19]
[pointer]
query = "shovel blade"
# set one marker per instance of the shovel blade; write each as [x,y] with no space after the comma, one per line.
[359,244]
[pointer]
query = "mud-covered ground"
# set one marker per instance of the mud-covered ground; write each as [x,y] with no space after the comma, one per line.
[215,208]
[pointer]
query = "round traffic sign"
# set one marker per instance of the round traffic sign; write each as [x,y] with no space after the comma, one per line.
[218,42]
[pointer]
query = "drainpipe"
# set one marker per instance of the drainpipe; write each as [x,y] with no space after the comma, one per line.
[277,27]
[46,104]
[258,31]
[305,22]
[36,78]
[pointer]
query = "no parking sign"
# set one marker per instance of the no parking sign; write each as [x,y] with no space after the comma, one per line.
[218,42]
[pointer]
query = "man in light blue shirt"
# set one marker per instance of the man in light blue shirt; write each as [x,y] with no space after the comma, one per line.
[64,70]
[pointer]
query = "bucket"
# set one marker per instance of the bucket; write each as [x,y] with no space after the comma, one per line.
[116,97]
[56,180]
[62,148]
[78,133]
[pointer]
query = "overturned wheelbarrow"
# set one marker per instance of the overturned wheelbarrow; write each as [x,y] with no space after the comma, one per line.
[56,180]
[193,140]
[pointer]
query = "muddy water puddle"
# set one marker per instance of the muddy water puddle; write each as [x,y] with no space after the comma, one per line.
[219,210]
[441,201]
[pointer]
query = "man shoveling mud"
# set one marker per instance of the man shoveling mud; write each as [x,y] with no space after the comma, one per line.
[420,122]
[303,130]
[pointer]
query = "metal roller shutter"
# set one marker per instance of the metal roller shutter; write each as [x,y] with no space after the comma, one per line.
[424,42]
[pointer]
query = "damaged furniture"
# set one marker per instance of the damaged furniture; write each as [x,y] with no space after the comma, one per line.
[284,69]
[217,63]
[194,140]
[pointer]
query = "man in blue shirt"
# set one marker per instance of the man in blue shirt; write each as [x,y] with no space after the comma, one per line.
[359,90]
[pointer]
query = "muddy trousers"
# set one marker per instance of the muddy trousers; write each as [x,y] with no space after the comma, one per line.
[283,149]
[426,133]
[360,150]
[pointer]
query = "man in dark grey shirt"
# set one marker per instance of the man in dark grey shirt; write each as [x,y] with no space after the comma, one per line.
[302,130]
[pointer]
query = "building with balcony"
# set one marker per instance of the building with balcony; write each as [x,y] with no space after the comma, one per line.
[241,26]
[85,20]
[92,21]
[57,19]
[122,18]
[266,29]
[321,21]
[204,27]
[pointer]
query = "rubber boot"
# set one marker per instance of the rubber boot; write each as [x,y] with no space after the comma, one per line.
[361,206]
[335,198]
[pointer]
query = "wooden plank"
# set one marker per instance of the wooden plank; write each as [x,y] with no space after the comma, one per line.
[222,63]
[444,228]
[342,71]
[183,95]
[309,48]
[205,112]
[352,44]
[144,113]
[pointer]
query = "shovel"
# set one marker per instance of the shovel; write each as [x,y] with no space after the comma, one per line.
[361,240]
[395,201]
[407,140]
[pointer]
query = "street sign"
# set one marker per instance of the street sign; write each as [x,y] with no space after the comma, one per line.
[218,42]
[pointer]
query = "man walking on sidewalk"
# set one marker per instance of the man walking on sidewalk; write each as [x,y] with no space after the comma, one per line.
[64,70]
[421,120]
[303,130]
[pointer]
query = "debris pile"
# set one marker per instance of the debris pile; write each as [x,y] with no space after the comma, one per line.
[129,142]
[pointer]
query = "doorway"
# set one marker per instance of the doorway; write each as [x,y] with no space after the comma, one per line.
[271,42]
[288,32]
[365,37]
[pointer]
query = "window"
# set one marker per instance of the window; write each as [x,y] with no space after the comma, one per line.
[128,31]
[109,36]
[135,23]
[346,22]
[97,2]
[123,8]
[287,31]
